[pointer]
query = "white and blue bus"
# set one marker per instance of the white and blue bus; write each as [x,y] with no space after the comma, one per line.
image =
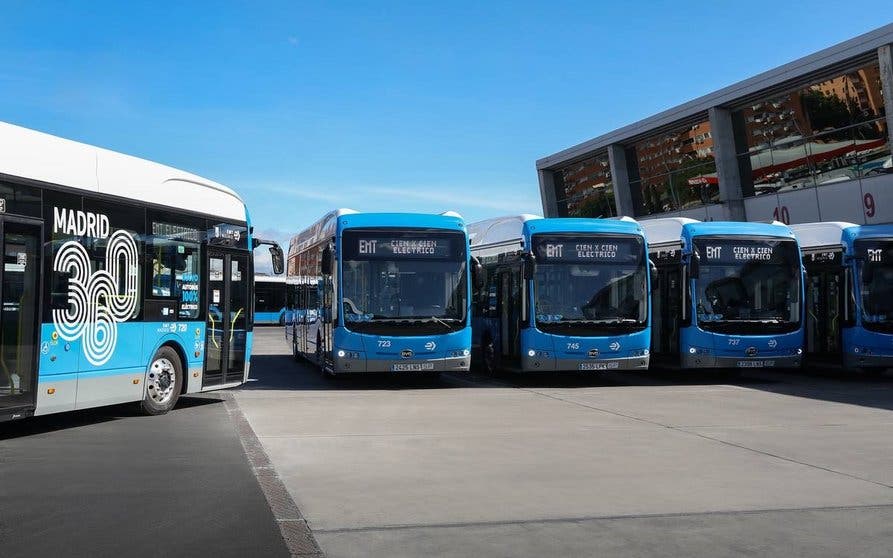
[273,296]
[561,294]
[728,294]
[391,293]
[849,294]
[114,289]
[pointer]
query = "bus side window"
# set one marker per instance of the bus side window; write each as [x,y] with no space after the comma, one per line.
[59,292]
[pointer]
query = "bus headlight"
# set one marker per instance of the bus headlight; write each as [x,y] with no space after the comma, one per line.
[341,354]
[698,351]
[353,355]
[458,353]
[692,350]
[531,353]
[638,352]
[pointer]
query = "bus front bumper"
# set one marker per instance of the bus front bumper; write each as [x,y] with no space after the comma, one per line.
[537,364]
[408,366]
[710,361]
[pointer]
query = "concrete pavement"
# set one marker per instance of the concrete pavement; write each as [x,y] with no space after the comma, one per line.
[779,464]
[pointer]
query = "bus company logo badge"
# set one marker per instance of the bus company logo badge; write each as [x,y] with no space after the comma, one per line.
[98,300]
[406,353]
[593,353]
[751,351]
[773,343]
[614,346]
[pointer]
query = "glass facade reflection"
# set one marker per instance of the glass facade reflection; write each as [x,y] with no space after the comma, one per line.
[674,170]
[831,131]
[584,188]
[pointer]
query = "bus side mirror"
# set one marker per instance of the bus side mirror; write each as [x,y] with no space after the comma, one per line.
[278,259]
[529,265]
[694,265]
[276,255]
[326,264]
[477,273]
[655,279]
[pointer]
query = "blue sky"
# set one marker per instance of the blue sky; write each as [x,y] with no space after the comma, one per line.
[408,106]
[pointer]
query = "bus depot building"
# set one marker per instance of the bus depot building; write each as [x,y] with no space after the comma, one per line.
[807,141]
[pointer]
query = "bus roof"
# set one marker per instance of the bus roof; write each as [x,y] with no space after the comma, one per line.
[264,278]
[814,235]
[510,229]
[42,157]
[498,230]
[672,230]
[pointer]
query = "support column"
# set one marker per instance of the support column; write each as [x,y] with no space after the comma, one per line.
[885,59]
[547,193]
[623,198]
[724,152]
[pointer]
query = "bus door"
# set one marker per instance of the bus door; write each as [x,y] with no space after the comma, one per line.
[666,310]
[228,308]
[824,304]
[20,241]
[509,314]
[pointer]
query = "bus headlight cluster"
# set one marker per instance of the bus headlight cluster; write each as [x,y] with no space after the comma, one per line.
[638,352]
[458,353]
[354,355]
[698,351]
[797,351]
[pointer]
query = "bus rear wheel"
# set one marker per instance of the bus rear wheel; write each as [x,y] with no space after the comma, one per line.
[164,382]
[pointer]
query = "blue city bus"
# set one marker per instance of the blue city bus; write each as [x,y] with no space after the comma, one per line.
[849,294]
[561,294]
[273,296]
[728,294]
[115,288]
[392,293]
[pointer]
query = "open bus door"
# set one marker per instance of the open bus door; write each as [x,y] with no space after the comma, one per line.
[19,318]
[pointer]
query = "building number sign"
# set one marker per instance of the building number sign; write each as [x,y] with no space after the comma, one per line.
[783,214]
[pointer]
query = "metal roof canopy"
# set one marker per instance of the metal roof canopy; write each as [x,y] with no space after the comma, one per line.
[821,65]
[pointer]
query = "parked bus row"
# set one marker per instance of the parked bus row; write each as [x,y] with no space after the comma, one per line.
[388,292]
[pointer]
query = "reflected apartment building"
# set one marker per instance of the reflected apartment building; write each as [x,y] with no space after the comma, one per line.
[807,141]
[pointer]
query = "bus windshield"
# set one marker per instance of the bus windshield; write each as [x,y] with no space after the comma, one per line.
[411,282]
[589,282]
[876,279]
[747,285]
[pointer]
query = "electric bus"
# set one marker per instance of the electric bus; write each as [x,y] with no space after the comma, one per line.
[392,293]
[272,296]
[561,294]
[114,288]
[849,294]
[728,294]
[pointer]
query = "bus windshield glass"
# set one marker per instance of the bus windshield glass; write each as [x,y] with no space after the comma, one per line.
[590,282]
[876,282]
[747,285]
[410,282]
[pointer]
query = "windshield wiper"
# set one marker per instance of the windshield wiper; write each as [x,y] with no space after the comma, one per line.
[607,321]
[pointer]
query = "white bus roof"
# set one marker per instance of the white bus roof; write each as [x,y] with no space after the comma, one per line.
[38,156]
[499,230]
[813,235]
[264,278]
[665,230]
[321,230]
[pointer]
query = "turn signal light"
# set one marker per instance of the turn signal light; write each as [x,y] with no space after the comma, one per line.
[51,391]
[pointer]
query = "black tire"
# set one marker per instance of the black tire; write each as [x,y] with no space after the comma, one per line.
[164,382]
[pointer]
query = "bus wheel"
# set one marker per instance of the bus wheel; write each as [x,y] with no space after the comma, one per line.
[163,382]
[489,350]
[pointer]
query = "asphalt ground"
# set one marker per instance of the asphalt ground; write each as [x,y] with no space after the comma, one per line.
[108,482]
[652,464]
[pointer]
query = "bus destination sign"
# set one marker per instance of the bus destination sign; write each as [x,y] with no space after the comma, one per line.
[402,247]
[737,252]
[593,249]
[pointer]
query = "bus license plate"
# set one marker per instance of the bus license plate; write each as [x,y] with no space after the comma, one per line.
[756,363]
[599,365]
[412,366]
